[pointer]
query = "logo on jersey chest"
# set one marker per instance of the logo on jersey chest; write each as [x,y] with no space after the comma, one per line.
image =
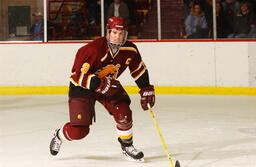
[108,70]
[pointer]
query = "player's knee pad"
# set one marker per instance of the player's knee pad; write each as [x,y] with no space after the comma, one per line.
[74,132]
[123,116]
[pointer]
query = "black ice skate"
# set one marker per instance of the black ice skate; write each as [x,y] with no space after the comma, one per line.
[130,153]
[55,143]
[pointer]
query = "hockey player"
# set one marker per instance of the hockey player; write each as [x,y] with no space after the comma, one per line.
[94,76]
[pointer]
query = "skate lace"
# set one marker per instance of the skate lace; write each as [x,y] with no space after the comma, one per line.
[132,150]
[56,144]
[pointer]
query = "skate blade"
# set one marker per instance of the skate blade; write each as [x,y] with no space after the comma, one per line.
[127,157]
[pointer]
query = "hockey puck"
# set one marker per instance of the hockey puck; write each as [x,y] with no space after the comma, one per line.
[177,164]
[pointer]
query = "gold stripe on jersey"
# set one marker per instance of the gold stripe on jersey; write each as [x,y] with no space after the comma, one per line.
[128,48]
[88,82]
[139,67]
[104,58]
[113,54]
[140,74]
[80,80]
[73,82]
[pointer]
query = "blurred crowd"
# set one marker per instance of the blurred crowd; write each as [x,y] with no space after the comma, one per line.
[72,20]
[234,18]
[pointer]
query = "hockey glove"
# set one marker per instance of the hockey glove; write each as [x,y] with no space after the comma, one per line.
[147,97]
[108,86]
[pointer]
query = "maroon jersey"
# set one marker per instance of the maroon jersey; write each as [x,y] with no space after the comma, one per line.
[96,55]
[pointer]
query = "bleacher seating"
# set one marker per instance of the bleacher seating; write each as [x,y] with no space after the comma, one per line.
[143,24]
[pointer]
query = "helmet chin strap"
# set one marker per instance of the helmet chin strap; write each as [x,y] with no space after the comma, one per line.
[114,47]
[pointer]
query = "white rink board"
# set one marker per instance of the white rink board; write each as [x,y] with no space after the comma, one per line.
[232,64]
[252,64]
[180,64]
[222,64]
[36,64]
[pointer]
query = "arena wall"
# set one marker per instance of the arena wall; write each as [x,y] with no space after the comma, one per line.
[171,64]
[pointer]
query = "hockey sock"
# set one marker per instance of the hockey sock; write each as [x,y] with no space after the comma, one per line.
[125,136]
[125,142]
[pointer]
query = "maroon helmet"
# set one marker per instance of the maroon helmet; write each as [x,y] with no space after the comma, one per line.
[116,23]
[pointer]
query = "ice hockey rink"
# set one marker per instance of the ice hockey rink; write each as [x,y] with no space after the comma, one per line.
[200,130]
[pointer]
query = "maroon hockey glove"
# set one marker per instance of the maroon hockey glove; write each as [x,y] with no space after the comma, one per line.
[108,86]
[147,97]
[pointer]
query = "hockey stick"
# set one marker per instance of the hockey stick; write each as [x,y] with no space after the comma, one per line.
[165,147]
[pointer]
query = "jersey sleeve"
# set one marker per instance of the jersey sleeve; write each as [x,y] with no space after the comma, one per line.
[83,68]
[139,70]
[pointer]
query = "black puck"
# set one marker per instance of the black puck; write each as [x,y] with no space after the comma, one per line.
[177,164]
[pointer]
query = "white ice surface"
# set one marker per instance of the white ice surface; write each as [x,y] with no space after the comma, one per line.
[201,131]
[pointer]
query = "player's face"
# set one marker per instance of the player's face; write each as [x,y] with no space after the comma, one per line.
[116,36]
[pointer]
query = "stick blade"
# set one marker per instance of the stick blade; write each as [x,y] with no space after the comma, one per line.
[177,164]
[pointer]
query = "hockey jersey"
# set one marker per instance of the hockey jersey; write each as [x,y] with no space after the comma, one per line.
[96,55]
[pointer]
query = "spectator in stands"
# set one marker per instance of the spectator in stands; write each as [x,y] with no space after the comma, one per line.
[119,9]
[231,8]
[195,23]
[36,30]
[222,26]
[244,22]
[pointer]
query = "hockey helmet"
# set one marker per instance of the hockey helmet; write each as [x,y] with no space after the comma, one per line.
[116,23]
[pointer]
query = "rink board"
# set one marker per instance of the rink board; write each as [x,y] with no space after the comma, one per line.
[41,90]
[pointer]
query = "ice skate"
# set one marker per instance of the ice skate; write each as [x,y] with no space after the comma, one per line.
[130,153]
[55,143]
